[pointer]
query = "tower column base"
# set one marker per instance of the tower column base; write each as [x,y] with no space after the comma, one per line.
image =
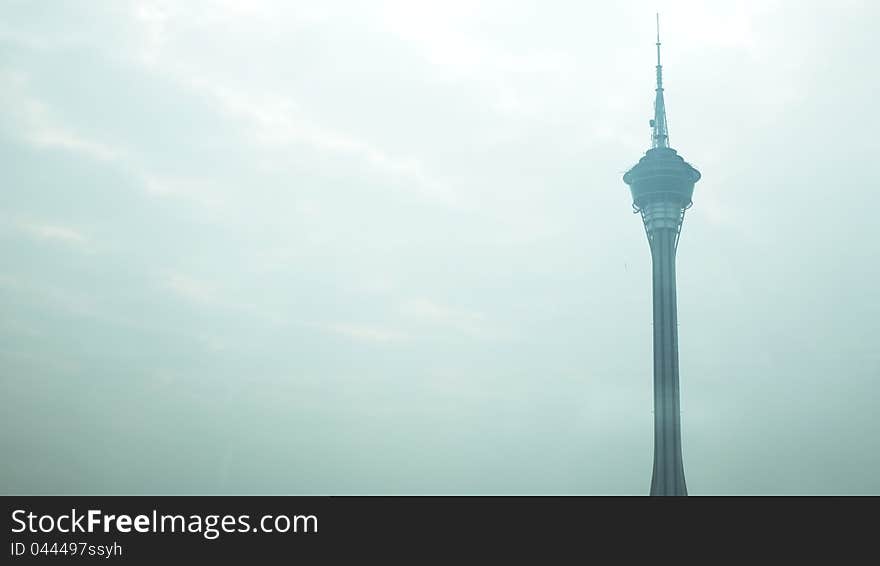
[668,476]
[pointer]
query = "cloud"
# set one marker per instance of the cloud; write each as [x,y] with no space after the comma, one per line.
[193,290]
[210,295]
[461,321]
[273,121]
[62,298]
[733,26]
[438,30]
[23,39]
[152,18]
[271,118]
[202,192]
[365,332]
[36,125]
[56,233]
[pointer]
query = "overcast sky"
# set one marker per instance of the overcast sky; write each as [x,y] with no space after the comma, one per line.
[385,247]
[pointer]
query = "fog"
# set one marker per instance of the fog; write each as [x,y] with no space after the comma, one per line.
[385,247]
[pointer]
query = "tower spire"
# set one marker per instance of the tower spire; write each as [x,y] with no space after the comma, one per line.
[660,136]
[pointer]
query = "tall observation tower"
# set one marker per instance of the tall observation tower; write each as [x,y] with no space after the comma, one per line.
[662,184]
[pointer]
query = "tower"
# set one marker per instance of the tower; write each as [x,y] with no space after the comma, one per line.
[662,184]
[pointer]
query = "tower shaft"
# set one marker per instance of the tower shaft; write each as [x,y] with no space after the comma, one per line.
[668,475]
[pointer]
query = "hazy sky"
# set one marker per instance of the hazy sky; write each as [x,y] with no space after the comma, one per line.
[385,247]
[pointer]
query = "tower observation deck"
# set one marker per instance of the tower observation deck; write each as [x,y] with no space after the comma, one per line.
[662,184]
